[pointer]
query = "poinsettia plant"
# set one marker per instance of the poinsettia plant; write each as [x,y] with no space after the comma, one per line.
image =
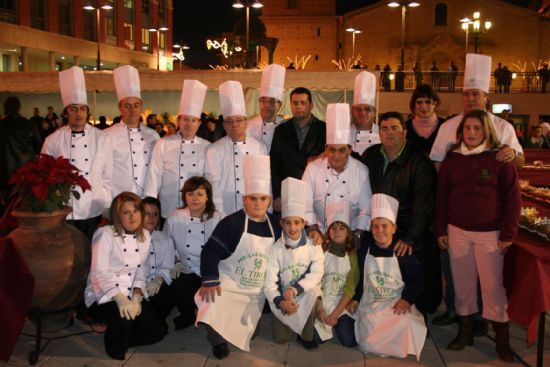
[46,184]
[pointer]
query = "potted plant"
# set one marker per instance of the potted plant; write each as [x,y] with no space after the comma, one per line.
[57,253]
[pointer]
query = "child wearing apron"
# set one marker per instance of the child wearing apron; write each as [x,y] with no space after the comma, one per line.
[339,281]
[387,321]
[294,271]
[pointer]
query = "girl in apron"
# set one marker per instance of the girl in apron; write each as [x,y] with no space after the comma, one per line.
[234,262]
[387,322]
[294,271]
[117,279]
[161,260]
[189,228]
[340,279]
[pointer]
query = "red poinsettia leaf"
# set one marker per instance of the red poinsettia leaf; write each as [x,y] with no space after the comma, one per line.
[41,191]
[83,183]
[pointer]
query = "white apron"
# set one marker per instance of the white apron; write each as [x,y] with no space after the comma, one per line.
[235,314]
[334,279]
[305,301]
[377,329]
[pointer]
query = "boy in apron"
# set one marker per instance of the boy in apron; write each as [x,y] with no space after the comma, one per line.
[294,271]
[387,321]
[234,263]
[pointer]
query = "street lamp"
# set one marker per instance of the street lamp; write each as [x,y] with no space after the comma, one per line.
[157,31]
[179,55]
[94,6]
[403,4]
[353,32]
[238,4]
[477,28]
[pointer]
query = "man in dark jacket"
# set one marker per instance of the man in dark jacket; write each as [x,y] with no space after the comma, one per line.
[401,170]
[20,142]
[295,141]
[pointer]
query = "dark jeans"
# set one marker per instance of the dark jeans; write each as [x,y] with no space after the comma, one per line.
[183,290]
[163,301]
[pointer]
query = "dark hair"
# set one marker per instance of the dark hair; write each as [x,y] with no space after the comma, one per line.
[197,182]
[392,115]
[65,116]
[114,211]
[150,116]
[423,91]
[151,201]
[12,104]
[102,119]
[301,90]
[350,241]
[116,120]
[491,140]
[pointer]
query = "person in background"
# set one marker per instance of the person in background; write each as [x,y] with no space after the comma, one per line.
[102,123]
[171,129]
[536,140]
[116,290]
[36,119]
[151,120]
[477,217]
[364,131]
[52,117]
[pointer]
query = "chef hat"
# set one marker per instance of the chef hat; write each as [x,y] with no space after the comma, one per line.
[192,98]
[127,82]
[293,198]
[338,123]
[384,206]
[232,99]
[273,82]
[365,88]
[257,174]
[73,86]
[338,211]
[477,74]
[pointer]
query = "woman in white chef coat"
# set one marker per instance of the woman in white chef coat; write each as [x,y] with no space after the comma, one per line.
[161,260]
[189,228]
[337,177]
[294,271]
[118,277]
[181,156]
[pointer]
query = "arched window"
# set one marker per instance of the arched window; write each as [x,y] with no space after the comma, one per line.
[441,14]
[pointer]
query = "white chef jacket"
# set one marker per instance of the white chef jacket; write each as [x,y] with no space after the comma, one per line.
[161,257]
[447,136]
[224,170]
[324,186]
[92,153]
[174,160]
[119,264]
[132,150]
[263,131]
[188,236]
[363,139]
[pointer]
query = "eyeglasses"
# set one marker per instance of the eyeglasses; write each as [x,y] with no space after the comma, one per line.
[234,121]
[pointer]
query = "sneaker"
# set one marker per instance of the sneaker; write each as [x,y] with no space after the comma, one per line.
[221,351]
[444,320]
[309,345]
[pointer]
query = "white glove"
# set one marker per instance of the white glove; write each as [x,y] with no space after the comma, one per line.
[125,306]
[154,285]
[177,270]
[136,305]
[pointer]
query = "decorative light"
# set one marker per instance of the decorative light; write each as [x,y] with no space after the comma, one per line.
[488,24]
[107,7]
[350,29]
[413,4]
[257,4]
[394,4]
[465,20]
[477,15]
[238,4]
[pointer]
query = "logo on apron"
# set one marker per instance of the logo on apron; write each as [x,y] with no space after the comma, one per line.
[251,270]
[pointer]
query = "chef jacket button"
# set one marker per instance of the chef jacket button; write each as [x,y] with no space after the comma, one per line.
[182,152]
[181,177]
[188,231]
[192,219]
[129,274]
[133,152]
[85,146]
[237,166]
[187,245]
[72,160]
[145,152]
[244,142]
[202,232]
[72,146]
[328,194]
[202,246]
[116,284]
[137,250]
[129,288]
[369,141]
[146,164]
[124,250]
[238,192]
[74,136]
[343,181]
[188,259]
[246,152]
[193,152]
[152,253]
[86,173]
[237,179]
[135,165]
[328,167]
[357,141]
[194,165]
[141,139]
[153,267]
[265,133]
[235,153]
[326,180]
[135,178]
[341,196]
[181,165]
[139,265]
[126,265]
[86,159]
[132,139]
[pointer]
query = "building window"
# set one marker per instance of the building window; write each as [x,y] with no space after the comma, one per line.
[90,25]
[292,4]
[162,42]
[129,20]
[441,14]
[64,12]
[8,11]
[6,63]
[110,16]
[146,13]
[162,12]
[38,14]
[146,40]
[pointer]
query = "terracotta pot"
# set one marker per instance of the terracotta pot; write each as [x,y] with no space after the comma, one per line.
[58,256]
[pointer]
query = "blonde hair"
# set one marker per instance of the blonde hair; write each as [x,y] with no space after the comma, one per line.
[116,205]
[489,134]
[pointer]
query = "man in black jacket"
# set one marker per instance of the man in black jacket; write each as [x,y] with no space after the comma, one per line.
[401,170]
[20,142]
[295,141]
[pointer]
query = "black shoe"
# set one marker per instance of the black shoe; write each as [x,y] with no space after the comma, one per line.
[309,345]
[444,320]
[117,355]
[221,351]
[181,323]
[481,327]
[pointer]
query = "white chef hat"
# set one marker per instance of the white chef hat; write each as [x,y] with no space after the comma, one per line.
[232,99]
[338,211]
[384,206]
[338,123]
[127,82]
[273,82]
[293,198]
[257,174]
[73,86]
[477,74]
[364,91]
[192,98]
